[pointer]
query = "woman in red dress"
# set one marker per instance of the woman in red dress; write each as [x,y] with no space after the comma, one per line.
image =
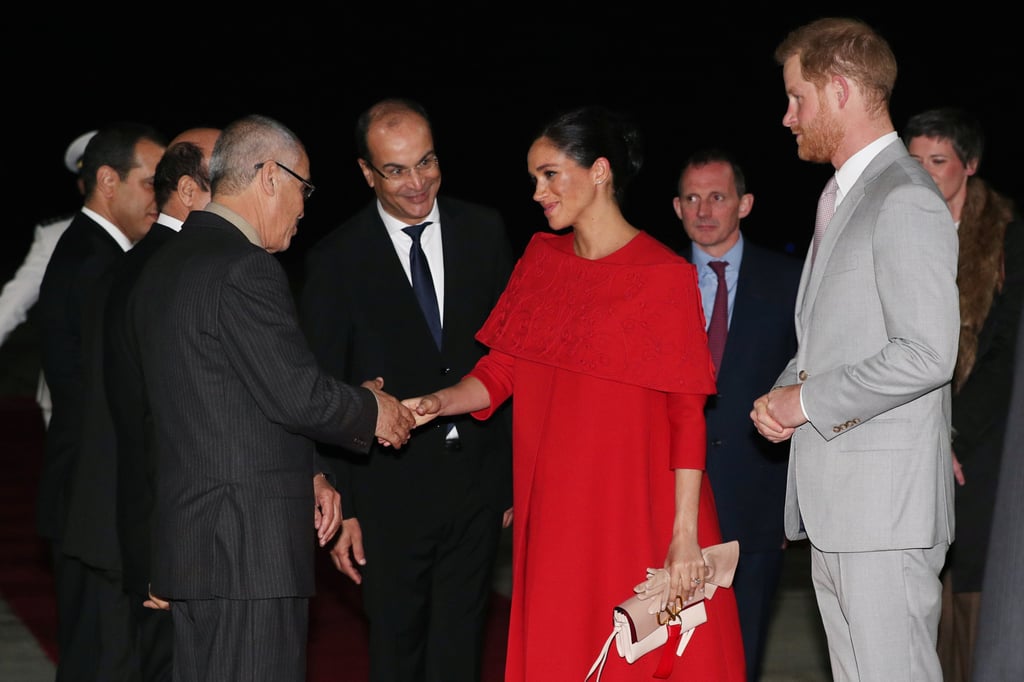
[600,337]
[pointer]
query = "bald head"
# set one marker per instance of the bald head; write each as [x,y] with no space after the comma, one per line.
[182,180]
[204,138]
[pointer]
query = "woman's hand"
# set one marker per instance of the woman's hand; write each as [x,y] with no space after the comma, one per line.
[686,568]
[425,408]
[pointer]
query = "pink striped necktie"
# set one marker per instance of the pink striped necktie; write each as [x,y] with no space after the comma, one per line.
[826,207]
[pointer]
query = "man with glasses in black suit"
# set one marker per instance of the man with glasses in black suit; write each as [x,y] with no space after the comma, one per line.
[422,528]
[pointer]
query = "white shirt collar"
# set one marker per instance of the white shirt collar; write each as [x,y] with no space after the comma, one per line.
[395,225]
[170,221]
[855,165]
[120,237]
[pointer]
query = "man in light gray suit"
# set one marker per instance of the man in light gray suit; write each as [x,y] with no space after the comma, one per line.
[866,400]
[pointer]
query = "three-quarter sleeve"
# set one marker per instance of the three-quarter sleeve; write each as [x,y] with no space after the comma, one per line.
[688,437]
[495,371]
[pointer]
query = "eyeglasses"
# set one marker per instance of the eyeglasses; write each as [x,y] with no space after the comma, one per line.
[426,166]
[307,187]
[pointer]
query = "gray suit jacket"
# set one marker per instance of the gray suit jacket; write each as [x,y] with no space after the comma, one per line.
[877,322]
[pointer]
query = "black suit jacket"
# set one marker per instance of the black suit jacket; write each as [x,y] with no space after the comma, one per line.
[998,654]
[747,472]
[980,415]
[236,398]
[363,321]
[125,393]
[66,301]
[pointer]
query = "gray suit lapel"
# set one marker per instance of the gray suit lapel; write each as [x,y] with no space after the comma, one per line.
[810,280]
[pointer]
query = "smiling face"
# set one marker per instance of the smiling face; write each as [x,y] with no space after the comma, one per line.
[562,187]
[808,116]
[402,148]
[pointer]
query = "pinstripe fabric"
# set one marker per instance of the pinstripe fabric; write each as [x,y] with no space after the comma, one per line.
[236,399]
[259,640]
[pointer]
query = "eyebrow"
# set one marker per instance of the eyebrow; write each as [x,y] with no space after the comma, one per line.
[422,159]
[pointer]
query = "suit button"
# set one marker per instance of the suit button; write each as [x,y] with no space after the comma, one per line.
[716,442]
[445,371]
[802,375]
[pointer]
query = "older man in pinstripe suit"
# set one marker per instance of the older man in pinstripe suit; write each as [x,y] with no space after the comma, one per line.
[237,399]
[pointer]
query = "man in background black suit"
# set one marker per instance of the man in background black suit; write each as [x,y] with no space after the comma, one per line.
[421,526]
[117,174]
[181,184]
[747,473]
[236,399]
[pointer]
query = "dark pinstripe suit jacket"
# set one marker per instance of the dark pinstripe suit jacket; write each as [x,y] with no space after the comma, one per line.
[237,399]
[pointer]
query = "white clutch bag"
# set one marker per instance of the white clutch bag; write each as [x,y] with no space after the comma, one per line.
[640,626]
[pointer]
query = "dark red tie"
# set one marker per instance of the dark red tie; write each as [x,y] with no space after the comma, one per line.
[719,327]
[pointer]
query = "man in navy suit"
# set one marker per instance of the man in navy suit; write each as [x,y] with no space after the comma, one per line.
[422,526]
[747,473]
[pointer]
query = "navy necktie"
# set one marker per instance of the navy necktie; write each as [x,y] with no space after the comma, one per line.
[719,326]
[422,282]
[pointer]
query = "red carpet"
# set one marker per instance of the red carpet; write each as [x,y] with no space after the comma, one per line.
[338,630]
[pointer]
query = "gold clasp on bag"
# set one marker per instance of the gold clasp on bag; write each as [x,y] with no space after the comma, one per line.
[673,609]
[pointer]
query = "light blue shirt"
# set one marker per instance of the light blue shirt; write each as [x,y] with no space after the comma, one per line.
[708,280]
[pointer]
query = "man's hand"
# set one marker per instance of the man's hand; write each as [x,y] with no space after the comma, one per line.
[348,550]
[958,471]
[394,420]
[155,602]
[327,510]
[777,413]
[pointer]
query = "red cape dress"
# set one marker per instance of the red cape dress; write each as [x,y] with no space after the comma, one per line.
[609,366]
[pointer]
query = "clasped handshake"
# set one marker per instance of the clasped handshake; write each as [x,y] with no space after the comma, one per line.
[396,419]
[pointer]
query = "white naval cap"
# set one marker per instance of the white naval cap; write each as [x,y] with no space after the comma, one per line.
[73,155]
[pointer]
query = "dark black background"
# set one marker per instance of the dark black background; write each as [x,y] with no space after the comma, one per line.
[489,76]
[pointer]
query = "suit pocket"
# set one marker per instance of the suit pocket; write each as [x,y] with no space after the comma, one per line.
[877,435]
[839,263]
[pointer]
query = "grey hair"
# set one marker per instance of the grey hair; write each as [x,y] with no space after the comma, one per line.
[245,143]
